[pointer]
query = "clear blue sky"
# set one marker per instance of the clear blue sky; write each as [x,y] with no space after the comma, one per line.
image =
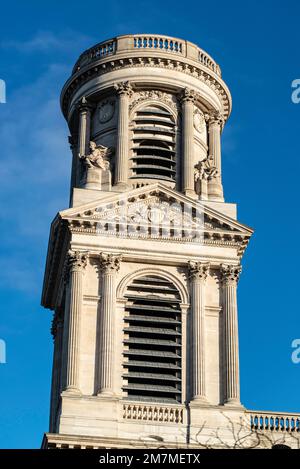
[257,45]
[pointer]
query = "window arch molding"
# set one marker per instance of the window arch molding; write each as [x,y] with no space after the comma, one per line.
[128,279]
[148,102]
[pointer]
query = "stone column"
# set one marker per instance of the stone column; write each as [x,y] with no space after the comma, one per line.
[57,333]
[124,92]
[77,262]
[198,273]
[84,131]
[215,123]
[109,265]
[187,102]
[229,277]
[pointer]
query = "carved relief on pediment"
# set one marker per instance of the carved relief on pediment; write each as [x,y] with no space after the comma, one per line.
[157,215]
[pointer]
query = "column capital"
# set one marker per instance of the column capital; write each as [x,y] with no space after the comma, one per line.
[215,117]
[76,261]
[109,262]
[188,96]
[123,88]
[198,270]
[84,105]
[230,273]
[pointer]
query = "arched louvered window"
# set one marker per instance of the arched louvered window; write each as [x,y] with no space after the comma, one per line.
[152,341]
[153,144]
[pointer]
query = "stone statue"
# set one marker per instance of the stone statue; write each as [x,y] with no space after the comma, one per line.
[96,158]
[204,172]
[96,174]
[211,169]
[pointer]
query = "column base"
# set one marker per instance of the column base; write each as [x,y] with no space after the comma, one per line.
[120,187]
[105,393]
[71,390]
[199,401]
[236,403]
[190,193]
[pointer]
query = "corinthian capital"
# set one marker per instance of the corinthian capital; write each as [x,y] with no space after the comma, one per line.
[109,262]
[84,105]
[123,88]
[188,95]
[230,273]
[215,117]
[198,270]
[77,261]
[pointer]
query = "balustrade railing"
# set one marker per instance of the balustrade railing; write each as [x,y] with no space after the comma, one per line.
[161,43]
[153,413]
[274,422]
[156,43]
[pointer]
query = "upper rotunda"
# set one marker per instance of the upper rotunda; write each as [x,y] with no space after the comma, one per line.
[143,109]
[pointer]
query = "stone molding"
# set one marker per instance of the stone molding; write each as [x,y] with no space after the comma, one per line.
[145,96]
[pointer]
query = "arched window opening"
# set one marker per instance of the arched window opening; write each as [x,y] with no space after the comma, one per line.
[152,341]
[153,144]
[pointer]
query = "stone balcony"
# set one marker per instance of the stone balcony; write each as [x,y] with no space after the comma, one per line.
[134,44]
[153,60]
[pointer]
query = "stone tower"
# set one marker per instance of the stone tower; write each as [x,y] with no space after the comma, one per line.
[142,269]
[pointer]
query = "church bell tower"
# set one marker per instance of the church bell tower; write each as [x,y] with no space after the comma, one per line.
[142,268]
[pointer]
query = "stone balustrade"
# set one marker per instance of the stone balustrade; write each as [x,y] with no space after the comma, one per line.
[274,421]
[146,42]
[153,413]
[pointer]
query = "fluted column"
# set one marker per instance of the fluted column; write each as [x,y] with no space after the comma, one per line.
[77,262]
[124,92]
[215,123]
[187,102]
[85,109]
[109,265]
[198,273]
[229,276]
[57,332]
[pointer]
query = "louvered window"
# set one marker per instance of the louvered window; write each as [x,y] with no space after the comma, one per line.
[152,341]
[153,145]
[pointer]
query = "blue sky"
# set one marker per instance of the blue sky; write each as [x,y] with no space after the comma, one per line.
[256,44]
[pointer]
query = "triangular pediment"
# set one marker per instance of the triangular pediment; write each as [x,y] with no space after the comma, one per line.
[155,211]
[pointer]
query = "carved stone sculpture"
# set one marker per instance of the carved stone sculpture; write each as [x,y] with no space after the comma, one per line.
[97,157]
[97,174]
[205,171]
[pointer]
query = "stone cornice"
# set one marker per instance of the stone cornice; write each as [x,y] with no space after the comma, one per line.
[173,63]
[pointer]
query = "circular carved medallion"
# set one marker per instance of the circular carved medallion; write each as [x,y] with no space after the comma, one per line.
[199,121]
[106,111]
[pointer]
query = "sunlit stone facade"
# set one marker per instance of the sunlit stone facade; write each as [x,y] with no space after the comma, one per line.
[143,267]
